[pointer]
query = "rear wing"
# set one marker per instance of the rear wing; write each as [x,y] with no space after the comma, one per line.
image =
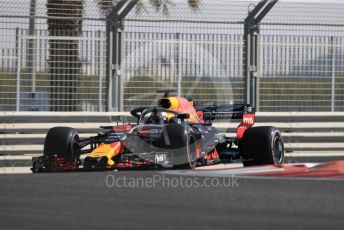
[224,112]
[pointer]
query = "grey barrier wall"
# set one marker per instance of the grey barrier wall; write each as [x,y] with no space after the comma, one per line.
[306,133]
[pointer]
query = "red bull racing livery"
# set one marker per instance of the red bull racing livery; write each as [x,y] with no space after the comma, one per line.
[173,134]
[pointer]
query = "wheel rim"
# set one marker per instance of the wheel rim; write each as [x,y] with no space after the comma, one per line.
[278,150]
[191,152]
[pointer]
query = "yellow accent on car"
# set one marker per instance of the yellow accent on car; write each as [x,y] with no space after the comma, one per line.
[174,103]
[108,150]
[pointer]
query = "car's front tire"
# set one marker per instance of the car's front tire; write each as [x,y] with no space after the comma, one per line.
[61,141]
[60,149]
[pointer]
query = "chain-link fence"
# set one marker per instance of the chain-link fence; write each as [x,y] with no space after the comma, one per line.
[205,66]
[52,56]
[302,57]
[60,56]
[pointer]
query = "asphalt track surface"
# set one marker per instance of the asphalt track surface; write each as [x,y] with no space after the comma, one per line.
[85,201]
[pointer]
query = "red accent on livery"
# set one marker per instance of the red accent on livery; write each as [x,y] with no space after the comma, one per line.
[215,155]
[122,128]
[246,123]
[60,163]
[144,131]
[117,146]
[211,155]
[201,116]
[198,151]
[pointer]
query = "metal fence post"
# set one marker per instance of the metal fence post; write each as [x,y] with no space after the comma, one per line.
[179,70]
[31,46]
[109,51]
[117,71]
[121,76]
[18,51]
[117,65]
[251,49]
[259,73]
[333,80]
[99,56]
[116,52]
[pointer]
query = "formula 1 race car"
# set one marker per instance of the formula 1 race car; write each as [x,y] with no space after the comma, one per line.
[173,134]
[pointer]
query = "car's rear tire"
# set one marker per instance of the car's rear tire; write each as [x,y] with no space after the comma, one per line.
[60,141]
[181,141]
[262,146]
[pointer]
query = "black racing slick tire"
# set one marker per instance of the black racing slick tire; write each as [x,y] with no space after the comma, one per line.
[181,140]
[262,146]
[60,141]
